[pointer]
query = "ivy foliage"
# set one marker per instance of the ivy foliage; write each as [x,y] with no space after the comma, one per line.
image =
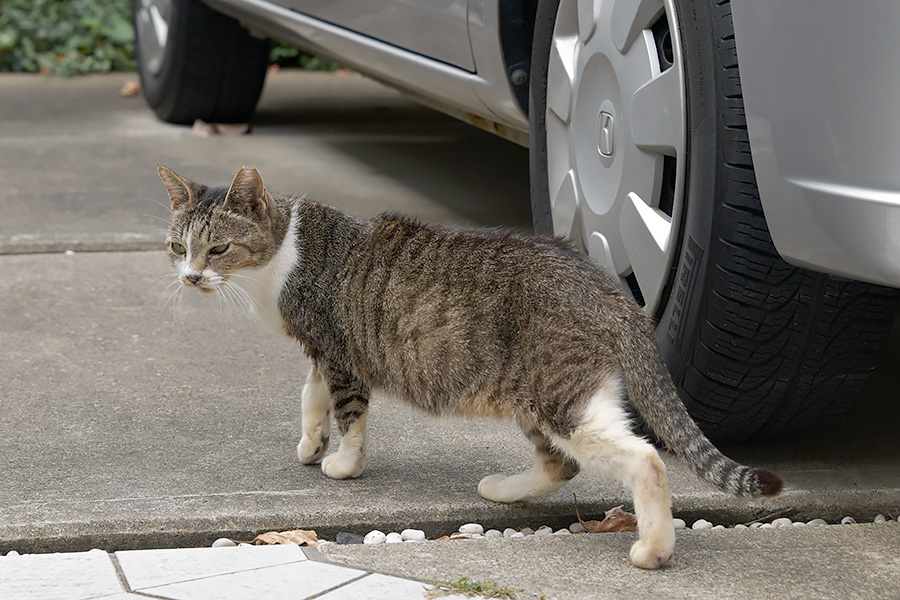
[288,56]
[66,37]
[73,37]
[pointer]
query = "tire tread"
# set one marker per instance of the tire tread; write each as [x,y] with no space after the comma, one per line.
[811,340]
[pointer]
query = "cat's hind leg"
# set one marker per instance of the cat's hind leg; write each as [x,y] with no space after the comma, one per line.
[551,471]
[604,442]
[350,398]
[316,411]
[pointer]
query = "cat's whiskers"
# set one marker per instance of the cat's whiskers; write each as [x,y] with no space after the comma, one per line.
[247,277]
[168,222]
[240,294]
[227,296]
[175,280]
[175,299]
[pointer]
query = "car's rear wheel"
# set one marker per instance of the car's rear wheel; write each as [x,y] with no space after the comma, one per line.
[196,63]
[640,154]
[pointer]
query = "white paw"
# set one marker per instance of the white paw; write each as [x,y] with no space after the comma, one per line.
[492,488]
[311,451]
[341,466]
[648,554]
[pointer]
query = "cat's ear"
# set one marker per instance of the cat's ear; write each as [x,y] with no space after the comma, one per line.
[181,191]
[247,195]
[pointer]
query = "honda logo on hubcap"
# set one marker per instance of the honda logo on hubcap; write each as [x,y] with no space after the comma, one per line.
[606,145]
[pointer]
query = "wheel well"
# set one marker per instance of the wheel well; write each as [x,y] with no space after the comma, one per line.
[516,19]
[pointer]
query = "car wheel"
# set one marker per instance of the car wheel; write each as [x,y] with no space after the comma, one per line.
[640,155]
[196,63]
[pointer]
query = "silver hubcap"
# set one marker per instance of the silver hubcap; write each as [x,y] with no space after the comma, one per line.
[615,136]
[153,31]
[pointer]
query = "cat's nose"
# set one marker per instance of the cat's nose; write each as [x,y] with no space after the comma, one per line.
[193,278]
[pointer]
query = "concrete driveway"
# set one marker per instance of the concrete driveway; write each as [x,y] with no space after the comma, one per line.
[130,420]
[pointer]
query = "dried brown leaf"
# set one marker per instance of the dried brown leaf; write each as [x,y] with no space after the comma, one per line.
[130,88]
[301,537]
[616,520]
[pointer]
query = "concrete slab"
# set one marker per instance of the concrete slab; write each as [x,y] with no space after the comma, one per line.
[293,581]
[155,568]
[835,562]
[72,576]
[79,161]
[128,422]
[132,423]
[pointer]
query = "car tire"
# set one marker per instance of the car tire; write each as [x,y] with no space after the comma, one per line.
[196,63]
[757,347]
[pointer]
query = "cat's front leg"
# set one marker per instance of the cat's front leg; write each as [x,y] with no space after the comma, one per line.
[351,405]
[316,410]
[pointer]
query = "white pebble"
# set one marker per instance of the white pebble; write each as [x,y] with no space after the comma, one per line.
[782,522]
[467,536]
[223,543]
[527,531]
[542,531]
[517,534]
[509,532]
[471,528]
[374,537]
[799,524]
[679,523]
[848,521]
[12,553]
[718,527]
[741,526]
[767,526]
[414,535]
[701,524]
[817,523]
[562,532]
[393,538]
[576,528]
[493,533]
[880,519]
[755,525]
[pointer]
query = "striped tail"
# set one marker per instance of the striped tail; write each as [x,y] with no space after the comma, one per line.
[651,390]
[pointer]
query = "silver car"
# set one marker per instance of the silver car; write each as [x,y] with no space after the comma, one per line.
[735,163]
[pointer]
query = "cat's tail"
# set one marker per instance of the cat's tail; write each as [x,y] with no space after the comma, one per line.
[651,390]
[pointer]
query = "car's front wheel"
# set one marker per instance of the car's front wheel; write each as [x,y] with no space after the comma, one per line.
[640,155]
[196,63]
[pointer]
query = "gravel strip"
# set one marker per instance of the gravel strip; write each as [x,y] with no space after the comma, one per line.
[475,531]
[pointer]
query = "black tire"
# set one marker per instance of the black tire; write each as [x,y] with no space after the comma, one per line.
[211,69]
[758,348]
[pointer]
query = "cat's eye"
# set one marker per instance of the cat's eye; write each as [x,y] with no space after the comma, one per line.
[178,248]
[220,249]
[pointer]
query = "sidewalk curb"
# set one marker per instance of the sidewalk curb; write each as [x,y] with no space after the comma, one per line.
[114,535]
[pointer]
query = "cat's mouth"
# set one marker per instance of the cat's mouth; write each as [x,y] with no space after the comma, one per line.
[198,284]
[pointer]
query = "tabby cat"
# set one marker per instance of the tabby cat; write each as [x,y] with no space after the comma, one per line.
[478,322]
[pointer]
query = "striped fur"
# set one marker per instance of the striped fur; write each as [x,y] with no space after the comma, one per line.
[484,322]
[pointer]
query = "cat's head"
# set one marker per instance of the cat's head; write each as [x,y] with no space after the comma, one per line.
[216,231]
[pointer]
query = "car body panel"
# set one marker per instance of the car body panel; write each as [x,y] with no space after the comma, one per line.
[437,29]
[819,84]
[488,104]
[820,88]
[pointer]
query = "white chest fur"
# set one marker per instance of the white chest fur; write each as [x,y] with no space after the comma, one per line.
[266,283]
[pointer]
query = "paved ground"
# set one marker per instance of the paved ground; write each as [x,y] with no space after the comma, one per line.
[132,421]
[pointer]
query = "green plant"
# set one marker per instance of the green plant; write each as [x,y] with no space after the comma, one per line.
[66,37]
[471,589]
[71,37]
[288,56]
